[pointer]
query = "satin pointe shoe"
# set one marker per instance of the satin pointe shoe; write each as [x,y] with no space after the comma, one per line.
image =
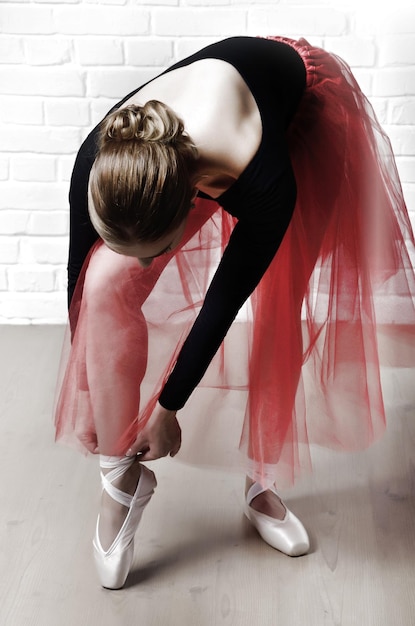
[288,535]
[113,565]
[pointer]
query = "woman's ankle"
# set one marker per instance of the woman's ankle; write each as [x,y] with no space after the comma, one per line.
[112,513]
[266,502]
[128,480]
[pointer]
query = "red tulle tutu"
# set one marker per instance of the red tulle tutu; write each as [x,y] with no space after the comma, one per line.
[301,364]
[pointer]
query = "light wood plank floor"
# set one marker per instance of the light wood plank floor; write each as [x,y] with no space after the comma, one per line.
[197,561]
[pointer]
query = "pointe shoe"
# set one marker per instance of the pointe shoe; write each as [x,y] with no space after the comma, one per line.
[288,535]
[113,565]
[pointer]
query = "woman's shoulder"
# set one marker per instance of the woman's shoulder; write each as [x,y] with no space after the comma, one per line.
[218,111]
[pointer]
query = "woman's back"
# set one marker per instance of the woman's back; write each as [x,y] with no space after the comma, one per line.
[219,113]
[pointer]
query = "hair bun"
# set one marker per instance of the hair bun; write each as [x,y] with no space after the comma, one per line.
[154,121]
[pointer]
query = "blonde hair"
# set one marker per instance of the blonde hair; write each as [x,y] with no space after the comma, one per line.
[142,182]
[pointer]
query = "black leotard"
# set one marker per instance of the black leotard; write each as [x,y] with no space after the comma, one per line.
[262,199]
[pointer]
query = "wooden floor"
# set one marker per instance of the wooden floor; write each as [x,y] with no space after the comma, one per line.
[197,560]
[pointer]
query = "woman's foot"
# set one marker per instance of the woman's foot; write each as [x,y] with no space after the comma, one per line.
[266,502]
[112,513]
[128,488]
[277,526]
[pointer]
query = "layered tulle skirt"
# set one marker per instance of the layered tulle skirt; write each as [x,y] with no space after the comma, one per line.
[301,364]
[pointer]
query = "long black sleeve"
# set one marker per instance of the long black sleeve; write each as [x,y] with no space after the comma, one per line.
[262,199]
[273,71]
[82,234]
[250,250]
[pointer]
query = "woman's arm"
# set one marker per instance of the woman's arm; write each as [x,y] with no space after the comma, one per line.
[252,246]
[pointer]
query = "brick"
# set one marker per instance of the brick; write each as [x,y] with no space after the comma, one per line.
[40,139]
[402,139]
[100,20]
[397,20]
[31,278]
[43,250]
[394,82]
[9,249]
[11,50]
[21,110]
[16,321]
[32,196]
[166,2]
[65,167]
[412,219]
[36,168]
[85,134]
[33,307]
[26,19]
[48,223]
[3,278]
[406,168]
[380,106]
[397,50]
[293,21]
[210,3]
[4,169]
[149,52]
[316,41]
[100,107]
[47,116]
[256,2]
[107,2]
[364,78]
[356,51]
[13,222]
[41,81]
[67,112]
[186,46]
[53,1]
[47,51]
[402,111]
[409,194]
[116,83]
[181,21]
[298,4]
[99,51]
[61,279]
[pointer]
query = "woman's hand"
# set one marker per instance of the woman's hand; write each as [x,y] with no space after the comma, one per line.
[160,436]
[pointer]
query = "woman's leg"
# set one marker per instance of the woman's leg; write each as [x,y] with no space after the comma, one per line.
[115,335]
[116,346]
[114,331]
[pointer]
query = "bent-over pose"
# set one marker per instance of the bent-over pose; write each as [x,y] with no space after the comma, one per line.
[253,169]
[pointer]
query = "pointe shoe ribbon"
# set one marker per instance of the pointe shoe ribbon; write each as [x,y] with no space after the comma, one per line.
[113,565]
[287,535]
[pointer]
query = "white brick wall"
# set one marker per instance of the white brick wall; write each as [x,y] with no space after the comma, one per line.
[63,63]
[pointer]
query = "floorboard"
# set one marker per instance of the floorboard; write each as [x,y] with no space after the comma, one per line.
[197,561]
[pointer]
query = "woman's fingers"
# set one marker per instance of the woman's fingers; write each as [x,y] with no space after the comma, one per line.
[161,436]
[150,449]
[177,444]
[139,446]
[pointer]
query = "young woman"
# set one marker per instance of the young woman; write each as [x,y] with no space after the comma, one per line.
[253,169]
